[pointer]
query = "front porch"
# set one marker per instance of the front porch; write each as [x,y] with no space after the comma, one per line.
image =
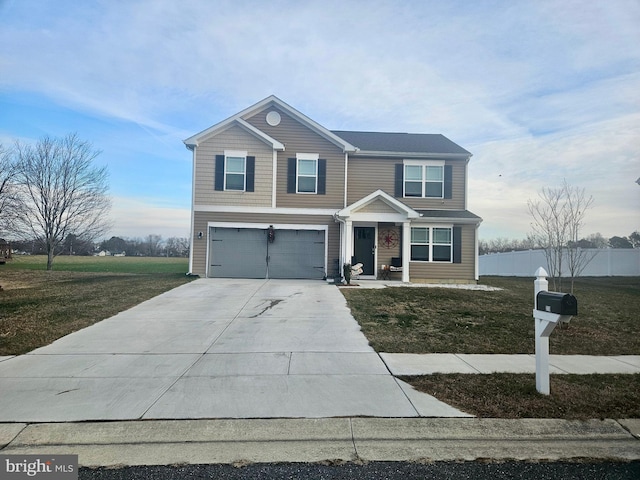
[376,232]
[393,242]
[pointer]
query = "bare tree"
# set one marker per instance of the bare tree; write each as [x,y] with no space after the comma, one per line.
[177,247]
[62,192]
[558,217]
[576,205]
[153,245]
[8,190]
[550,229]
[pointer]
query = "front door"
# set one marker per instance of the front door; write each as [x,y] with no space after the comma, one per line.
[364,248]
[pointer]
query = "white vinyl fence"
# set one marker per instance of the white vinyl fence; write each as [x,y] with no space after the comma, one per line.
[608,262]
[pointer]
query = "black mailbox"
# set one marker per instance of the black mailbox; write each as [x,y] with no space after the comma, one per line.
[556,302]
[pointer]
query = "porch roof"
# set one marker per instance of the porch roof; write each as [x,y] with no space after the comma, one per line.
[396,205]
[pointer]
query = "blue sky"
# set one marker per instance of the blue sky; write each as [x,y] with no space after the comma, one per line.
[537,90]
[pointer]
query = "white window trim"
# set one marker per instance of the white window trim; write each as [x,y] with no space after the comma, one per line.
[306,156]
[423,164]
[235,153]
[431,243]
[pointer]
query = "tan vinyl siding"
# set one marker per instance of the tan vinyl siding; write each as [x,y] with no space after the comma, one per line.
[234,138]
[202,219]
[377,207]
[366,175]
[298,138]
[458,272]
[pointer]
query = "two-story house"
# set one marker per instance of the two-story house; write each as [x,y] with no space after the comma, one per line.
[277,195]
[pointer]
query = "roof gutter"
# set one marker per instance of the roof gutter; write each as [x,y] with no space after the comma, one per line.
[377,153]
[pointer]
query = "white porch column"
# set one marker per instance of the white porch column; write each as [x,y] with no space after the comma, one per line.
[406,250]
[348,242]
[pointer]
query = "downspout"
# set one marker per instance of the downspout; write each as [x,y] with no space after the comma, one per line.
[193,201]
[343,226]
[346,170]
[477,267]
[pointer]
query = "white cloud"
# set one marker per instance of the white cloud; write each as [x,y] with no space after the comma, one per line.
[136,217]
[602,158]
[534,89]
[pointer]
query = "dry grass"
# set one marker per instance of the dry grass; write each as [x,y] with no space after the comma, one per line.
[440,320]
[509,395]
[38,307]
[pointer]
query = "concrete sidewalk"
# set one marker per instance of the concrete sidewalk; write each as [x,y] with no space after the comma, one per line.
[171,442]
[426,364]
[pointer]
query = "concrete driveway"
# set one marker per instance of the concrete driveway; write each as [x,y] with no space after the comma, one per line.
[214,348]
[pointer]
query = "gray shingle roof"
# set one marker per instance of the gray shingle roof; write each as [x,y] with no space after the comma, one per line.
[401,142]
[461,214]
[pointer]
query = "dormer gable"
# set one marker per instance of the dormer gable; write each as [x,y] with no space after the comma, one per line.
[262,106]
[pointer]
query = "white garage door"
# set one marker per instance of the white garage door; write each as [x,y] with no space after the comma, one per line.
[247,253]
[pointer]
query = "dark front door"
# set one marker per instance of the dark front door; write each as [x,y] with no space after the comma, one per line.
[364,248]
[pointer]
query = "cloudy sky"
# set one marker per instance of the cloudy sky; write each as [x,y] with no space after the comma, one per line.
[537,90]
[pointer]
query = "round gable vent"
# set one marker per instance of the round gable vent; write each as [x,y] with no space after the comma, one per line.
[273,118]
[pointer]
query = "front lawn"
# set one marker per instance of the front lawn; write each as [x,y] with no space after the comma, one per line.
[442,320]
[514,395]
[38,307]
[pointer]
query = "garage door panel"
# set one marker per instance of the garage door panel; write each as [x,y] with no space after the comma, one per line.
[297,254]
[238,253]
[247,253]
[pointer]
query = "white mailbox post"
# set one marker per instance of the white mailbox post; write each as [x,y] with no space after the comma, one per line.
[546,319]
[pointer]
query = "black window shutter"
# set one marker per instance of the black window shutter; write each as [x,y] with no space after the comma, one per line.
[457,244]
[291,175]
[250,172]
[322,176]
[399,185]
[448,181]
[219,172]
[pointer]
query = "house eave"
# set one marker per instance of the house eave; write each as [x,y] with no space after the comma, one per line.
[373,153]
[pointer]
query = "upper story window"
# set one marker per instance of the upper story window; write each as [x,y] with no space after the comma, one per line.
[307,174]
[432,244]
[235,171]
[424,179]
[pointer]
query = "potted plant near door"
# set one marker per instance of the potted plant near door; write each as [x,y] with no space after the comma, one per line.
[346,271]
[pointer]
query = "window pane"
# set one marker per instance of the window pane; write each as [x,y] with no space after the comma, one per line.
[433,189]
[420,253]
[413,189]
[235,164]
[419,235]
[435,174]
[307,184]
[235,181]
[413,172]
[441,253]
[306,167]
[442,235]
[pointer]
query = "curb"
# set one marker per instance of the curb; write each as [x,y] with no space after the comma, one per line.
[227,441]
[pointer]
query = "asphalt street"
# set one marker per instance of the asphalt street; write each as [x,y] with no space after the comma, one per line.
[377,471]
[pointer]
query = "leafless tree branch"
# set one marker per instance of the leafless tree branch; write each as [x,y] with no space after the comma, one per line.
[62,192]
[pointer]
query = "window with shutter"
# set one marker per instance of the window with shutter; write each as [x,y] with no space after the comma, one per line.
[235,171]
[306,174]
[432,244]
[423,179]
